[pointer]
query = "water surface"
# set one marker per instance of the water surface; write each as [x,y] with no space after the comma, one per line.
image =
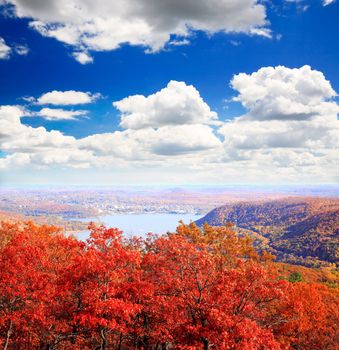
[140,224]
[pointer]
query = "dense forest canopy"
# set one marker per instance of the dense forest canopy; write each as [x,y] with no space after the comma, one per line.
[198,288]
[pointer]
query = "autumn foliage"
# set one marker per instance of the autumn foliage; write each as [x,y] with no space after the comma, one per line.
[193,289]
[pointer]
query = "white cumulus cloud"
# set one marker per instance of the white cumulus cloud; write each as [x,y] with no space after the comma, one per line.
[18,137]
[149,143]
[282,93]
[176,104]
[101,25]
[290,132]
[59,114]
[65,98]
[291,123]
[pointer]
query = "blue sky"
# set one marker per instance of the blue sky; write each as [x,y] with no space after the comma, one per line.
[295,34]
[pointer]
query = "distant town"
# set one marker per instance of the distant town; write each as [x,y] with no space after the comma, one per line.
[68,204]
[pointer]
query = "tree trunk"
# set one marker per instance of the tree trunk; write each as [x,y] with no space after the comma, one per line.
[206,344]
[8,335]
[103,345]
[120,342]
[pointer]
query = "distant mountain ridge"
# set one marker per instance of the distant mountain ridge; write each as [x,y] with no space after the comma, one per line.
[297,230]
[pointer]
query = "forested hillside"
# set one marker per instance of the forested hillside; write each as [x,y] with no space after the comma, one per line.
[297,230]
[68,225]
[193,289]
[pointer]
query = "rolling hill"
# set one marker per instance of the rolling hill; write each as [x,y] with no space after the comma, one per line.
[297,230]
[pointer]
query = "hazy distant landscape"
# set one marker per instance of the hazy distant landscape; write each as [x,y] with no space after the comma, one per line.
[298,225]
[71,202]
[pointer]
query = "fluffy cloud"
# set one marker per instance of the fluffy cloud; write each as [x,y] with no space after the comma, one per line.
[290,132]
[174,122]
[183,139]
[10,120]
[15,160]
[291,121]
[177,104]
[63,157]
[101,25]
[64,98]
[148,144]
[59,114]
[17,137]
[171,122]
[282,93]
[5,50]
[30,147]
[83,57]
[245,134]
[286,108]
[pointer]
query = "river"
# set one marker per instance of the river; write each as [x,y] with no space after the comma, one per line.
[140,224]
